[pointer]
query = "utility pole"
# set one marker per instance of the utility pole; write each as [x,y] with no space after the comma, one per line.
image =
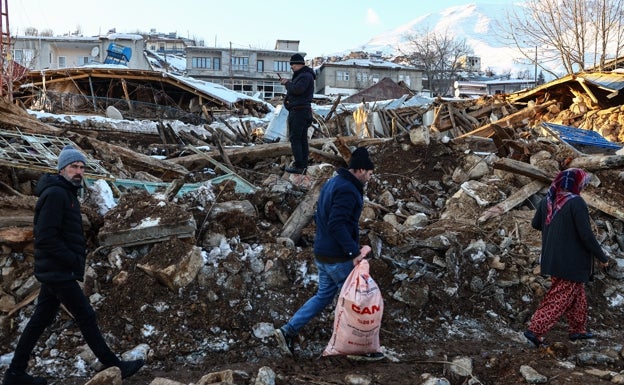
[535,66]
[5,52]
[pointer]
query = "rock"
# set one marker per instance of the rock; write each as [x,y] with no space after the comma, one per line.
[416,221]
[113,113]
[358,379]
[266,376]
[532,376]
[420,135]
[180,272]
[594,358]
[602,374]
[459,369]
[164,381]
[225,376]
[110,376]
[415,296]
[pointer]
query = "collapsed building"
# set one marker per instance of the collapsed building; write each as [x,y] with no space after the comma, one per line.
[209,242]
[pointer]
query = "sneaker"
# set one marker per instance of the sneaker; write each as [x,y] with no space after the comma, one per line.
[537,341]
[366,357]
[128,368]
[284,341]
[11,377]
[581,336]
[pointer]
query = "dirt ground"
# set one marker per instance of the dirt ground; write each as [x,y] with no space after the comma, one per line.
[208,325]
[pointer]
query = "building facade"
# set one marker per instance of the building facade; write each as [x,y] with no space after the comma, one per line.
[54,52]
[250,71]
[351,76]
[254,72]
[167,43]
[478,88]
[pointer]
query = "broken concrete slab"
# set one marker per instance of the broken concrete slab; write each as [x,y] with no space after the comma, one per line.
[149,230]
[178,274]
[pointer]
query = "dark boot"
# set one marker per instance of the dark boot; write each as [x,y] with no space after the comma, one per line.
[128,368]
[12,377]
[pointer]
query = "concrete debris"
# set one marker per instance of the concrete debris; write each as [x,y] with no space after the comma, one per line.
[184,277]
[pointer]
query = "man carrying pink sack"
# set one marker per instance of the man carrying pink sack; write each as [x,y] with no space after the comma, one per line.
[336,243]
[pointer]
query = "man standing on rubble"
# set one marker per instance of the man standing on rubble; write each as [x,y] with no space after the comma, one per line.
[336,243]
[298,102]
[60,257]
[568,248]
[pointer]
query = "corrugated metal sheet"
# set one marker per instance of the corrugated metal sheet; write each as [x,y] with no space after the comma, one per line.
[610,81]
[575,135]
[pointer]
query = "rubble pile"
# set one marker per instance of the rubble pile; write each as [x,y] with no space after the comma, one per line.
[195,281]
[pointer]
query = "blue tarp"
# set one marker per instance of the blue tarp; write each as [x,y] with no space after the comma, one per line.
[575,135]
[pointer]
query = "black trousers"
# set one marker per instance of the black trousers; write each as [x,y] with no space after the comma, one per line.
[299,120]
[51,296]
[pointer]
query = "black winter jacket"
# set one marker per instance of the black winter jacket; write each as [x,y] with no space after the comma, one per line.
[60,244]
[568,242]
[300,89]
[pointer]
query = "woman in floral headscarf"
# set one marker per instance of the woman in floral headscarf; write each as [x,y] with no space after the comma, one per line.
[568,248]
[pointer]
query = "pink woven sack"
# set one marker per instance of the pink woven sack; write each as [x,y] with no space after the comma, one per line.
[358,315]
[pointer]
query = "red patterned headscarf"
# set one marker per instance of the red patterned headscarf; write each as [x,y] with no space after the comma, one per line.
[567,185]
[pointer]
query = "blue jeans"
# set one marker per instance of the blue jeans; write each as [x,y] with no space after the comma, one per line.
[331,278]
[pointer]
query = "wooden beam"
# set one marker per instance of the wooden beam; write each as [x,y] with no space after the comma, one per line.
[514,200]
[507,121]
[598,162]
[591,198]
[581,81]
[304,212]
[522,168]
[598,203]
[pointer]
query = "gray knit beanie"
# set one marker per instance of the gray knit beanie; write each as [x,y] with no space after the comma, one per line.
[69,155]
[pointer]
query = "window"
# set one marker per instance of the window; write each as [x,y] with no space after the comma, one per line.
[18,56]
[244,86]
[374,78]
[201,62]
[281,66]
[342,76]
[240,63]
[359,77]
[62,62]
[84,60]
[209,63]
[161,47]
[270,89]
[260,66]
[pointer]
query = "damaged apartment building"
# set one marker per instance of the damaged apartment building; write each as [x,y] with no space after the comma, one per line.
[254,72]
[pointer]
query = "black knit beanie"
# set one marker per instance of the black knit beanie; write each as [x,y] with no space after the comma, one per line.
[297,59]
[360,160]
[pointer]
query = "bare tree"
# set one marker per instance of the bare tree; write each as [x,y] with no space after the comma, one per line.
[577,33]
[439,55]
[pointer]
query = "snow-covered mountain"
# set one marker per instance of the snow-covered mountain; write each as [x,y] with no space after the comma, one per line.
[478,23]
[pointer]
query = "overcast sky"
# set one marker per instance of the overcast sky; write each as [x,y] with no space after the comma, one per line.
[323,27]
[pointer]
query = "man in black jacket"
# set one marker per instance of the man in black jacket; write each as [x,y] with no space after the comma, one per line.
[60,256]
[298,102]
